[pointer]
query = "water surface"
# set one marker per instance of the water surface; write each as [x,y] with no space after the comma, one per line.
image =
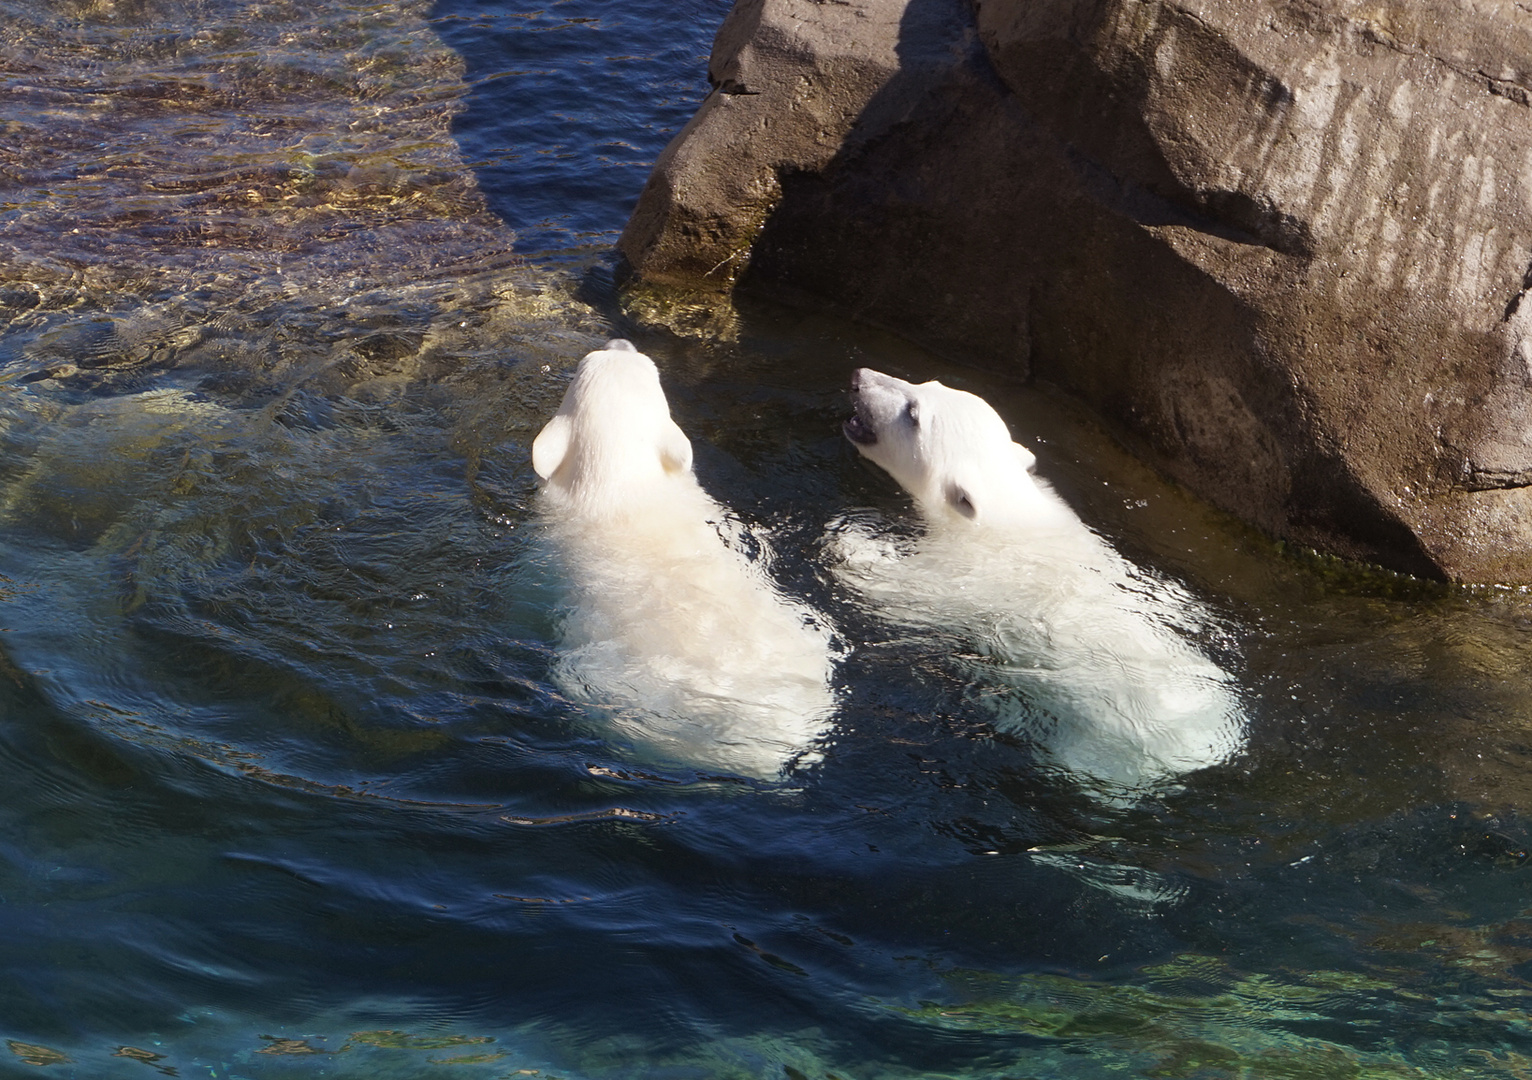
[289,789]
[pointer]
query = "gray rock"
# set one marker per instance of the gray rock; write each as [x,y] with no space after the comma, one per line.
[1282,245]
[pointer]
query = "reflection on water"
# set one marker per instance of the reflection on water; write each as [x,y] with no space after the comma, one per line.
[289,789]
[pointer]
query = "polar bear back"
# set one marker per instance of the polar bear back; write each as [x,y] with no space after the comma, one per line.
[1082,652]
[666,618]
[668,625]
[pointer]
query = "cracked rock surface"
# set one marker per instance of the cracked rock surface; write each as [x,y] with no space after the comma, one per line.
[1281,245]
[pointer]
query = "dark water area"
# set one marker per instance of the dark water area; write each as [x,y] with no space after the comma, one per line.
[570,104]
[289,788]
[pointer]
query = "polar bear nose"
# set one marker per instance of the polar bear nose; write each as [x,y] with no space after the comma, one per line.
[856,379]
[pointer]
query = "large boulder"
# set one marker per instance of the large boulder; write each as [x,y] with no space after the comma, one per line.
[1282,245]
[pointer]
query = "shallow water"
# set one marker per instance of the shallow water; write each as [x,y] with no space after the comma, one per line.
[289,790]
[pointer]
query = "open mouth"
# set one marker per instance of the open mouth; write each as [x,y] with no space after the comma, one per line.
[859,431]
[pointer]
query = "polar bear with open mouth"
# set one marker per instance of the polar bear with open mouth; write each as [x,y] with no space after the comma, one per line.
[1121,696]
[669,624]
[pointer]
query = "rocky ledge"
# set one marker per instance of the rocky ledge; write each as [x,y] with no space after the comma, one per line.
[1281,245]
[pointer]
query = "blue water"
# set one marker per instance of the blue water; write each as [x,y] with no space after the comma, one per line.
[289,789]
[570,105]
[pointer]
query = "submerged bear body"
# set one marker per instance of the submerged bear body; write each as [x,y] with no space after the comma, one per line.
[676,632]
[1086,653]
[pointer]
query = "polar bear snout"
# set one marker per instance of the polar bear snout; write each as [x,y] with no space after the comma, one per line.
[858,430]
[859,427]
[878,402]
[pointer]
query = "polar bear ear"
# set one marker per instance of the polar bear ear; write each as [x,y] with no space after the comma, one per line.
[675,448]
[551,445]
[959,499]
[1025,456]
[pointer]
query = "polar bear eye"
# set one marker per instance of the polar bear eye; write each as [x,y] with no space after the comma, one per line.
[912,412]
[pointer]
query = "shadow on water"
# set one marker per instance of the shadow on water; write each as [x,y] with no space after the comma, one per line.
[569,104]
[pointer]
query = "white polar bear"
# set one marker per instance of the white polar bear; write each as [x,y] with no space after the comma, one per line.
[1122,698]
[680,634]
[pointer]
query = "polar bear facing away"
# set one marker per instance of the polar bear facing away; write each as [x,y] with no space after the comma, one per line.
[1122,698]
[678,633]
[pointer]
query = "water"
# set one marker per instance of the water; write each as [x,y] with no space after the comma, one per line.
[289,790]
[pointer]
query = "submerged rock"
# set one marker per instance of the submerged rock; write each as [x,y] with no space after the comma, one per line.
[265,195]
[1282,245]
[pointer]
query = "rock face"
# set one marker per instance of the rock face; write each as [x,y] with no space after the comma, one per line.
[1282,245]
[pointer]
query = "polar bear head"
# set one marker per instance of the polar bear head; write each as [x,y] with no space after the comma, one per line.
[948,449]
[612,436]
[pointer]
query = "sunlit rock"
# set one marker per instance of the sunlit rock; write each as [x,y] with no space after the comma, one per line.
[1282,246]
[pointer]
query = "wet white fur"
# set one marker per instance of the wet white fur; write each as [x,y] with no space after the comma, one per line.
[1121,697]
[681,635]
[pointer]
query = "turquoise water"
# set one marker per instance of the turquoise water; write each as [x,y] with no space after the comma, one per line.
[288,787]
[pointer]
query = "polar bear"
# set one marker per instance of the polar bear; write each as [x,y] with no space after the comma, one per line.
[1120,695]
[675,630]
